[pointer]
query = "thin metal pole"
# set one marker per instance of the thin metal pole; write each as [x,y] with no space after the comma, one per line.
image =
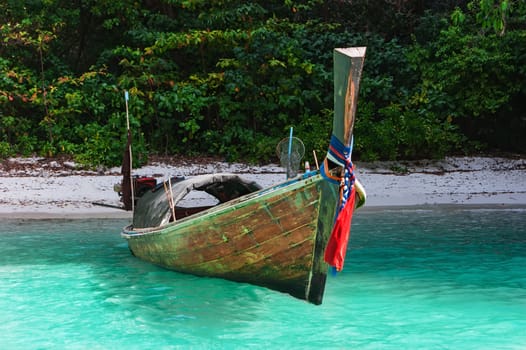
[126,98]
[289,167]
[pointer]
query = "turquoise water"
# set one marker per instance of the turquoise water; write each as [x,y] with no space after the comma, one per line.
[427,279]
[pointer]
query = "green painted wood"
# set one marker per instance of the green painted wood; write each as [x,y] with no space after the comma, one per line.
[348,64]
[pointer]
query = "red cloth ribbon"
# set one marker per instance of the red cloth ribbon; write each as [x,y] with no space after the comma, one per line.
[337,245]
[341,230]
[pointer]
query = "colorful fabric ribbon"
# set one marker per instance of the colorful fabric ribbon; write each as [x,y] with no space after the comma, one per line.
[337,245]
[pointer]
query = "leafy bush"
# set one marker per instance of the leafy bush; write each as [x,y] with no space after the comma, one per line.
[5,150]
[230,78]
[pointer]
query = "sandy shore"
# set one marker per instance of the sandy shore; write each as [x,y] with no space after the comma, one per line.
[38,188]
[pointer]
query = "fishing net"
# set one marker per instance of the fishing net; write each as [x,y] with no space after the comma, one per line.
[290,152]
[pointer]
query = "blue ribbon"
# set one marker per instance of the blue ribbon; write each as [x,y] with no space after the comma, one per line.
[341,155]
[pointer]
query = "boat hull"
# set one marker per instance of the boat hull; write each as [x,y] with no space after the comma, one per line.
[273,238]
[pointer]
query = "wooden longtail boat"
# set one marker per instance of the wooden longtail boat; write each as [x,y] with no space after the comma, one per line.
[276,237]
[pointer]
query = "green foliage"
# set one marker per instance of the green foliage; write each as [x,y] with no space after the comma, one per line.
[475,79]
[492,14]
[405,132]
[230,78]
[5,150]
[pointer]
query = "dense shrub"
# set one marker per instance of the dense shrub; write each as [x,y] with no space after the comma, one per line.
[230,78]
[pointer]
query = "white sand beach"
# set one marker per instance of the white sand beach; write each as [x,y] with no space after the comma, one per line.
[42,188]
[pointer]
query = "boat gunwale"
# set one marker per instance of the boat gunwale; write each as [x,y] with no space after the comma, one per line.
[129,232]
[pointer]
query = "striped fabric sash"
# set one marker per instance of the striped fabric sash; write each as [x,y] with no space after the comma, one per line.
[337,245]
